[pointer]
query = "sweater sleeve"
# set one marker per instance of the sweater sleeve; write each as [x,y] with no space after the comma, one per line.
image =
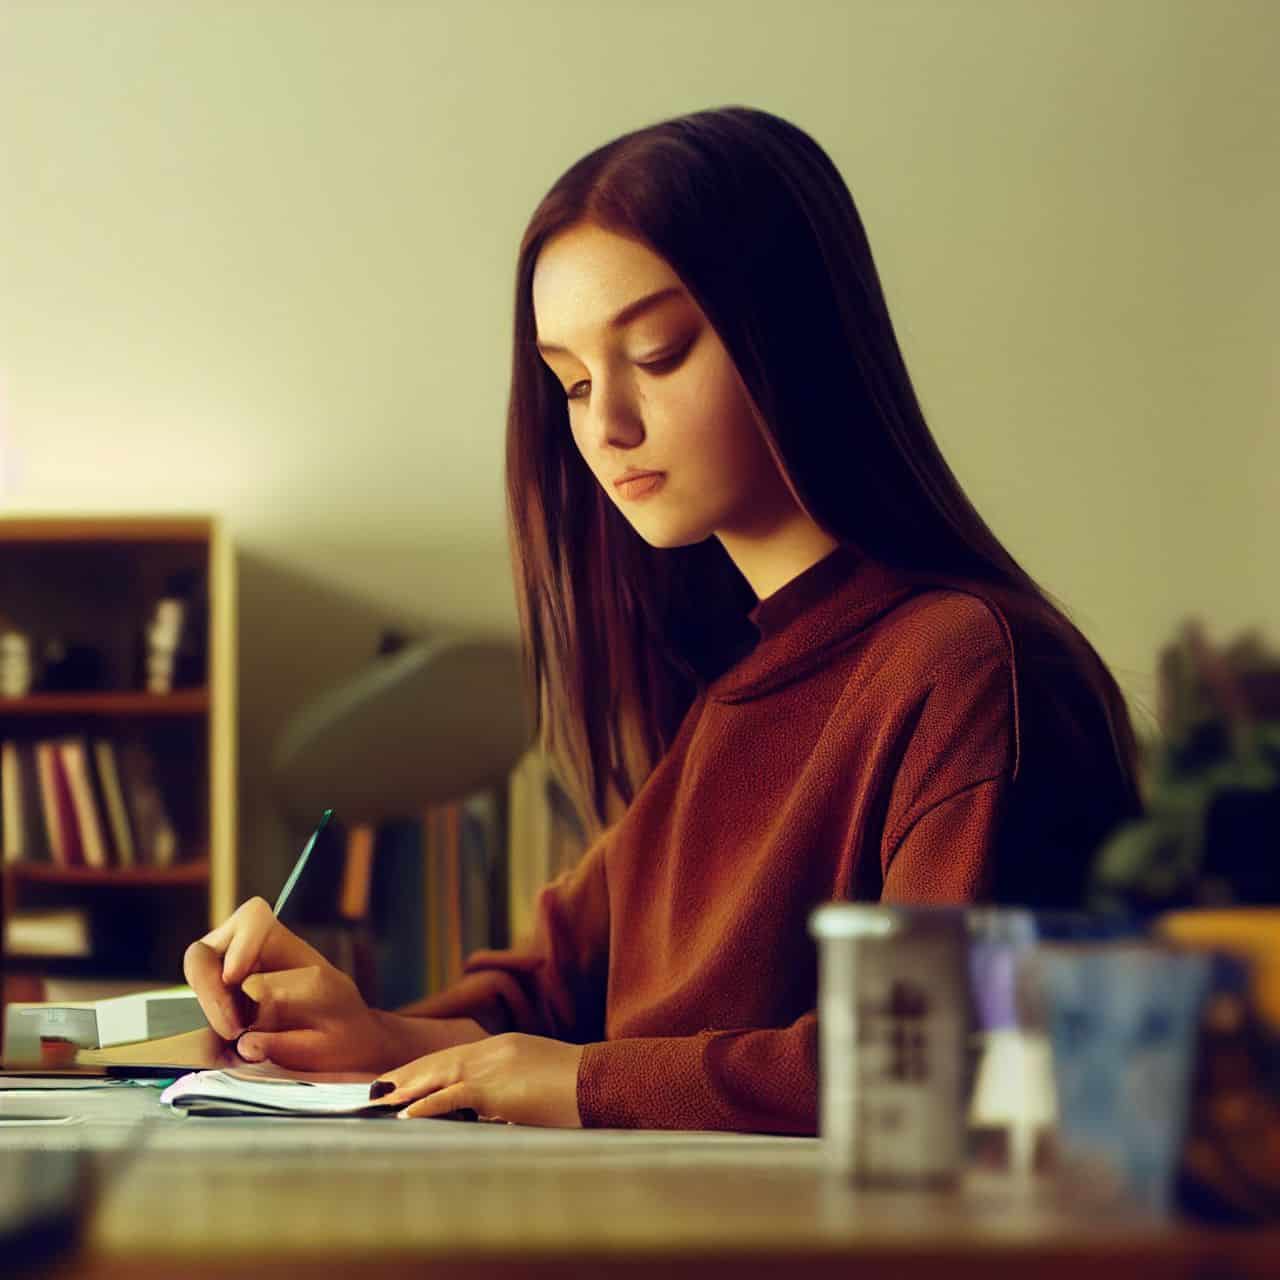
[945,856]
[747,1081]
[553,982]
[957,764]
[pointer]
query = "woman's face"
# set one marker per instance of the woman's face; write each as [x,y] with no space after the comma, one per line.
[652,389]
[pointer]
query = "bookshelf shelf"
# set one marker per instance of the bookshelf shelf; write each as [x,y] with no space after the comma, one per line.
[194,872]
[122,530]
[182,702]
[84,590]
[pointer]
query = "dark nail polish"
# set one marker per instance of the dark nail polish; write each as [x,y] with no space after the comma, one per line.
[379,1088]
[246,1009]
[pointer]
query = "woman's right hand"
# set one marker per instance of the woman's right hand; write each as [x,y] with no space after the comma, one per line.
[278,998]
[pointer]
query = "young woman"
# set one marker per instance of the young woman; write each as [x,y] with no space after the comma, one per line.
[770,638]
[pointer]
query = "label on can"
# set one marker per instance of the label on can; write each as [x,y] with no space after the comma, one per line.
[893,1021]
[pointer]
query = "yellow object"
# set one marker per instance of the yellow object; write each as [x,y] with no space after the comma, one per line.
[1250,932]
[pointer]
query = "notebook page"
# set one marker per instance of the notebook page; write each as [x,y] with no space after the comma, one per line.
[295,1097]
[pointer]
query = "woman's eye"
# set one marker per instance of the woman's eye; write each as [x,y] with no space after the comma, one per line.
[653,366]
[665,363]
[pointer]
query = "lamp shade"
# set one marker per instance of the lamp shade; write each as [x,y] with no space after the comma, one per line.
[427,724]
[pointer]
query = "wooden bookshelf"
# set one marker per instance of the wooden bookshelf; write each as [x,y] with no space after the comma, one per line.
[191,871]
[182,702]
[92,580]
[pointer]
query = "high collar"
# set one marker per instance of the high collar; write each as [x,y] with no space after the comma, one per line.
[774,612]
[817,613]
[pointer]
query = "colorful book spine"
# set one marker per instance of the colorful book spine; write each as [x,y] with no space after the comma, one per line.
[357,873]
[452,905]
[432,884]
[156,839]
[36,838]
[11,803]
[72,843]
[49,802]
[117,810]
[75,763]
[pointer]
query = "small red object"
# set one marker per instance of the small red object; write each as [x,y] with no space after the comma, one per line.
[57,1051]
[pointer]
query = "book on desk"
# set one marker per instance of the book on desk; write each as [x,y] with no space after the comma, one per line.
[99,1024]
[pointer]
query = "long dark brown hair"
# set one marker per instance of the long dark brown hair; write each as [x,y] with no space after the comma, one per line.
[762,231]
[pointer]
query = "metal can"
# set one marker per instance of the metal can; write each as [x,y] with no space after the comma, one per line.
[893,1020]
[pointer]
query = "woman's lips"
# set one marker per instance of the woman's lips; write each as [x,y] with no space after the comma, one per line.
[642,486]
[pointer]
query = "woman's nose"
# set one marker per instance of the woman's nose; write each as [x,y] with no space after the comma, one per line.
[615,421]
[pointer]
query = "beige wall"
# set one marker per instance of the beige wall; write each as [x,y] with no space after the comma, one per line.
[257,258]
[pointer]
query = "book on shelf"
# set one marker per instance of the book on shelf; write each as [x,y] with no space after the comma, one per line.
[465,856]
[157,840]
[14,825]
[59,810]
[546,835]
[451,865]
[12,836]
[357,872]
[59,931]
[73,803]
[121,828]
[21,818]
[74,760]
[164,633]
[483,862]
[443,943]
[433,890]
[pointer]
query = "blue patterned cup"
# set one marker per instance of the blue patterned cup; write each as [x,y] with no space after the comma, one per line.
[1123,1021]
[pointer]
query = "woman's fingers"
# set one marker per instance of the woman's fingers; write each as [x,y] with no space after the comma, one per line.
[247,942]
[219,936]
[287,999]
[202,968]
[429,1076]
[451,1098]
[303,1050]
[252,938]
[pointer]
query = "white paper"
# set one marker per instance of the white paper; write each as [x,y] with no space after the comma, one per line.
[288,1097]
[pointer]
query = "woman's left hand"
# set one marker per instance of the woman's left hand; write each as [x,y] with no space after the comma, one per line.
[514,1077]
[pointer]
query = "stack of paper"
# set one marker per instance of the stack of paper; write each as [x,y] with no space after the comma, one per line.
[246,1092]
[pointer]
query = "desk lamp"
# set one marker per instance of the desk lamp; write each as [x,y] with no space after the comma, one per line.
[426,722]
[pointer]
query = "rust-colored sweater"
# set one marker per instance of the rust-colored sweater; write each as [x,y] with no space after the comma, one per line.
[886,739]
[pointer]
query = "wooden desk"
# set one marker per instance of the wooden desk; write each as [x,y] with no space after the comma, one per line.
[248,1197]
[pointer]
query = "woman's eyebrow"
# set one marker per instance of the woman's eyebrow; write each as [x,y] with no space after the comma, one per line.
[628,313]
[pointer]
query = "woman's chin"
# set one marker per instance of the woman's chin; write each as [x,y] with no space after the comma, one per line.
[668,538]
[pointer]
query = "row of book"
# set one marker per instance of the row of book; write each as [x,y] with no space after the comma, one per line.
[73,803]
[462,877]
[432,890]
[485,863]
[465,858]
[546,836]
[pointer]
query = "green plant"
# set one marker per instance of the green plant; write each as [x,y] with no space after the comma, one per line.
[1211,834]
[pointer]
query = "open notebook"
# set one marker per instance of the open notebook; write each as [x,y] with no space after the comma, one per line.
[218,1082]
[259,1089]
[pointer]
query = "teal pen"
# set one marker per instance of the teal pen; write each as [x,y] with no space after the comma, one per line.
[246,1006]
[301,862]
[463,1113]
